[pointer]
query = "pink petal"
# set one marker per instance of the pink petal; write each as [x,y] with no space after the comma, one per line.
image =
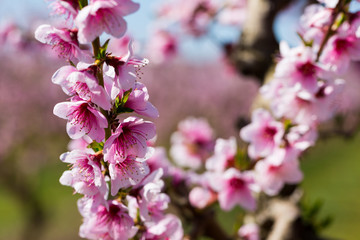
[127,173]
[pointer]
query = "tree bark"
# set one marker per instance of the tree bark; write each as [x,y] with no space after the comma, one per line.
[280,217]
[254,52]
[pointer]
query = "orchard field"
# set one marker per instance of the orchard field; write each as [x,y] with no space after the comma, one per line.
[181,119]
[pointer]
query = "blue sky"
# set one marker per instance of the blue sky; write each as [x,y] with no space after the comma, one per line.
[25,11]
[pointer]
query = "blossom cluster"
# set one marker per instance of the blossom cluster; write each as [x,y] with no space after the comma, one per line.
[304,92]
[112,158]
[122,196]
[192,17]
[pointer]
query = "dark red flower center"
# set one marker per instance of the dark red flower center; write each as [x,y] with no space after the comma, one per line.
[341,45]
[236,183]
[307,69]
[269,132]
[113,210]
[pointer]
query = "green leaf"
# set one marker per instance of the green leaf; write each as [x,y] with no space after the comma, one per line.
[314,209]
[325,222]
[124,110]
[117,102]
[101,55]
[311,215]
[105,45]
[241,160]
[121,102]
[83,3]
[125,97]
[306,43]
[288,125]
[72,64]
[119,106]
[96,146]
[341,18]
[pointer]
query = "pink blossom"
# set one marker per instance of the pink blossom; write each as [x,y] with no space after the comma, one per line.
[80,143]
[264,134]
[10,34]
[314,23]
[235,189]
[103,16]
[169,228]
[352,25]
[133,206]
[64,41]
[249,231]
[127,173]
[125,77]
[85,175]
[112,223]
[340,49]
[83,83]
[304,108]
[224,156]
[301,137]
[201,197]
[159,160]
[298,68]
[192,143]
[315,16]
[60,78]
[67,8]
[129,139]
[118,79]
[123,73]
[193,15]
[162,47]
[88,205]
[277,169]
[82,119]
[152,201]
[234,12]
[86,86]
[119,46]
[139,101]
[154,178]
[329,3]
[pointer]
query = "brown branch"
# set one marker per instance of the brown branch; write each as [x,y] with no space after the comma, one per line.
[280,217]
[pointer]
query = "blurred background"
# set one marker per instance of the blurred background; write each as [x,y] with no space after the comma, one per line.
[33,204]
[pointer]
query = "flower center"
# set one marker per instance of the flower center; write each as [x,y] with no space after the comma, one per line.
[269,132]
[307,69]
[82,115]
[236,183]
[113,210]
[341,45]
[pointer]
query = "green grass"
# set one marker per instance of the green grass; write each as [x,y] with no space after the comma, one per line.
[332,174]
[59,201]
[10,215]
[62,217]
